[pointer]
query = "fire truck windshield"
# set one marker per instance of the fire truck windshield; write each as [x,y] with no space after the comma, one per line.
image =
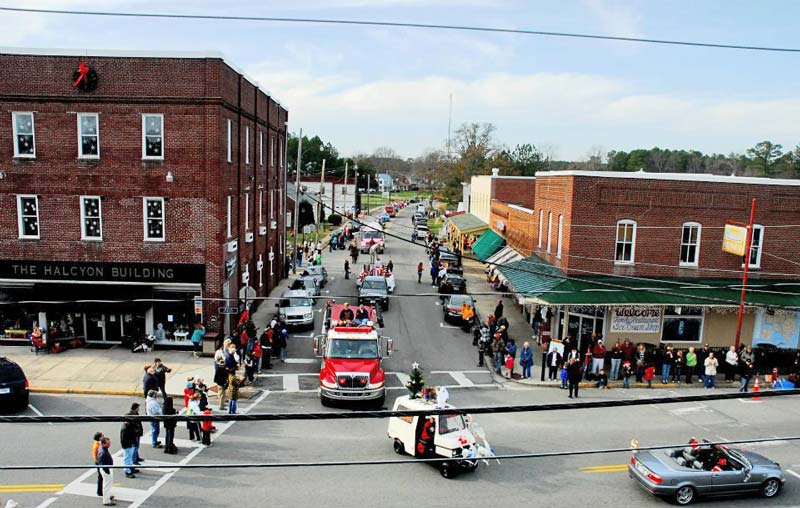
[351,348]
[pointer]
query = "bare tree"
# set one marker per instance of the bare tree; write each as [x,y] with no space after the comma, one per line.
[658,159]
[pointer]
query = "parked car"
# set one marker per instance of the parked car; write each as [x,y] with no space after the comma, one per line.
[685,474]
[374,288]
[452,284]
[318,272]
[296,309]
[449,258]
[14,387]
[452,307]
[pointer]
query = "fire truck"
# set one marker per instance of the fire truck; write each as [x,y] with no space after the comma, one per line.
[351,369]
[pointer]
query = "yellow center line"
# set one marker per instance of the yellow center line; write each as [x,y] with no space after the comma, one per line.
[610,468]
[34,487]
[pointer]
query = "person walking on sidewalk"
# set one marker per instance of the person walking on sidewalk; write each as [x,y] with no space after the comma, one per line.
[153,408]
[574,375]
[169,426]
[105,459]
[711,365]
[498,310]
[420,269]
[691,365]
[197,338]
[526,360]
[161,371]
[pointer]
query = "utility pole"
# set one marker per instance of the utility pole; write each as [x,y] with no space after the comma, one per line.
[368,179]
[320,207]
[297,199]
[344,193]
[355,192]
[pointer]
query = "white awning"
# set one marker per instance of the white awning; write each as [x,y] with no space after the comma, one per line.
[504,255]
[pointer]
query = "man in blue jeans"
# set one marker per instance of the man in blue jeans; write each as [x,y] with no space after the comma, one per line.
[153,408]
[499,348]
[127,438]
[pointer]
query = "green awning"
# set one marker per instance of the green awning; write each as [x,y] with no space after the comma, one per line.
[546,284]
[467,223]
[489,243]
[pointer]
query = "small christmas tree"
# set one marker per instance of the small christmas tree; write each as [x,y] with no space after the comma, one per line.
[415,382]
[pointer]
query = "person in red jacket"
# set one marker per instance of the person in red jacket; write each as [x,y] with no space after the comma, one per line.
[425,443]
[649,374]
[206,426]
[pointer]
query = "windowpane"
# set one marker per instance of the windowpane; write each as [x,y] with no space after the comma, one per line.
[23,133]
[29,216]
[625,242]
[755,246]
[153,136]
[89,139]
[92,222]
[690,243]
[154,219]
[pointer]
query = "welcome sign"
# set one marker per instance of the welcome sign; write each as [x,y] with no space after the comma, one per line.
[635,320]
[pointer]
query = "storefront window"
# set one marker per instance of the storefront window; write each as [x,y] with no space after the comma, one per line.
[682,324]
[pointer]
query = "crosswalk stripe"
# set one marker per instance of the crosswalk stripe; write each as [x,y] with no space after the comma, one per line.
[291,383]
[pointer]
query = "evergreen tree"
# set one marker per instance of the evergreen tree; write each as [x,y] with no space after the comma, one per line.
[415,383]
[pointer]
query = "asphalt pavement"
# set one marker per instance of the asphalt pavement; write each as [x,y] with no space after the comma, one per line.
[448,358]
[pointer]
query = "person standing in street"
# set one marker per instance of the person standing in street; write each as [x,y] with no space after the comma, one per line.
[711,365]
[161,372]
[332,243]
[574,377]
[206,426]
[346,269]
[434,274]
[98,436]
[498,310]
[197,338]
[498,348]
[153,408]
[149,381]
[526,360]
[104,458]
[747,373]
[233,391]
[420,269]
[193,408]
[169,426]
[127,439]
[390,266]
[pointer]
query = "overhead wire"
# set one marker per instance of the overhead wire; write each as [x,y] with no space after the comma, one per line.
[399,24]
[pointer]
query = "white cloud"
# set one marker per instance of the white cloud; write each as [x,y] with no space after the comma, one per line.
[615,17]
[573,111]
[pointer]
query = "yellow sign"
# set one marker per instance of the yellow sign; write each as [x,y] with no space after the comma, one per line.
[734,239]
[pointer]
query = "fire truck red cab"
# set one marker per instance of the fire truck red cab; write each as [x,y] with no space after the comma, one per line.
[351,355]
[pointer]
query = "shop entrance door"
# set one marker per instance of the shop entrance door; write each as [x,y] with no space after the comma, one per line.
[95,324]
[581,327]
[113,331]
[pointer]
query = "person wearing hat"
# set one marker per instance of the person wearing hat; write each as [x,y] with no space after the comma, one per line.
[161,371]
[598,356]
[153,408]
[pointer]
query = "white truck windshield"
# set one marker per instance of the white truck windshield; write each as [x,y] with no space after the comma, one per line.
[450,423]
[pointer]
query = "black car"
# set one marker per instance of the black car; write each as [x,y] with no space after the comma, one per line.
[452,285]
[14,388]
[374,289]
[452,307]
[449,258]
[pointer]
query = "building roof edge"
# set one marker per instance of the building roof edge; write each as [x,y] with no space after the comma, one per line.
[685,177]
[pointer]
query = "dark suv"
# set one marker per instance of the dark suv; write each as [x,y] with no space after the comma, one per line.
[14,388]
[374,289]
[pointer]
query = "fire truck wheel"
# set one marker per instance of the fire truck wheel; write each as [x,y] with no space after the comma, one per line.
[380,402]
[446,470]
[398,447]
[326,402]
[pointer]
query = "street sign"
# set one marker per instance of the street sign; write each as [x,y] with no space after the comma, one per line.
[198,306]
[734,239]
[229,310]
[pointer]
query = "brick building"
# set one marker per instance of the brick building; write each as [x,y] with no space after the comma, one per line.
[518,190]
[132,178]
[638,255]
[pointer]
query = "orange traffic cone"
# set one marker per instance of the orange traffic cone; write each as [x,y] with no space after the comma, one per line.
[756,389]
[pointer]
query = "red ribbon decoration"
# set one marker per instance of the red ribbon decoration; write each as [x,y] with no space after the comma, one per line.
[83,70]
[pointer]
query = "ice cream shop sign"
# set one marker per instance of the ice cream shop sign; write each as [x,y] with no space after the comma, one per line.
[101,272]
[635,320]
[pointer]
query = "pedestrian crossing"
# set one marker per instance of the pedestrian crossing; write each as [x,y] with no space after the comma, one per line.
[308,382]
[137,491]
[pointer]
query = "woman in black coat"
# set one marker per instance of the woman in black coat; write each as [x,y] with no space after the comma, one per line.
[169,426]
[574,375]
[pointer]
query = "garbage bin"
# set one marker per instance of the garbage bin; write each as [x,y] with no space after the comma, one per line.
[210,343]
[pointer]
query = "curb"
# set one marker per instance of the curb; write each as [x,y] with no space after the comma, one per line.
[618,384]
[88,391]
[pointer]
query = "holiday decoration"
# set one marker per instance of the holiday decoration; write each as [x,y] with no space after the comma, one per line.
[84,78]
[416,384]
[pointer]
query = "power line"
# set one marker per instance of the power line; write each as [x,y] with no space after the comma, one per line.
[379,414]
[431,460]
[397,24]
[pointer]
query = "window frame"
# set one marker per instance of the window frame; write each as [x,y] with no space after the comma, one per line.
[229,138]
[260,207]
[560,236]
[625,222]
[549,232]
[281,154]
[144,138]
[247,212]
[272,151]
[247,144]
[81,200]
[20,227]
[541,225]
[757,264]
[696,262]
[163,238]
[96,117]
[261,147]
[14,115]
[689,316]
[229,224]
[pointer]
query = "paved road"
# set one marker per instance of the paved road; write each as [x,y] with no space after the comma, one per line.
[446,354]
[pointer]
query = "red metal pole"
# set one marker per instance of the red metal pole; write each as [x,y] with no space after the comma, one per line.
[747,244]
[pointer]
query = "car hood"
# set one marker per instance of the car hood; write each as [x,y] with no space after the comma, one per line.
[372,292]
[371,366]
[456,439]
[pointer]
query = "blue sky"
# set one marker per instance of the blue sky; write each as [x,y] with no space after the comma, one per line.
[366,87]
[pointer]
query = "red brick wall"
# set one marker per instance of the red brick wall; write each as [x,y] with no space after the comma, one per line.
[519,191]
[196,97]
[520,232]
[553,197]
[593,205]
